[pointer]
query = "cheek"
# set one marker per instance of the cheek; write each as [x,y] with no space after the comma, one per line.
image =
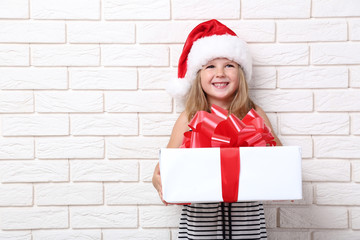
[204,78]
[235,77]
[202,82]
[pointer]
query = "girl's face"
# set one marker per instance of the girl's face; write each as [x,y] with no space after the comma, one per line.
[220,81]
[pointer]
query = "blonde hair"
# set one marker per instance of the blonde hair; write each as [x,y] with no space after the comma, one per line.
[196,99]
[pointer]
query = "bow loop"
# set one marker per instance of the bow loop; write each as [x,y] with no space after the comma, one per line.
[217,129]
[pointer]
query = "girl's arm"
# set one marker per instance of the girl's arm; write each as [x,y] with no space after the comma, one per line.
[181,126]
[261,112]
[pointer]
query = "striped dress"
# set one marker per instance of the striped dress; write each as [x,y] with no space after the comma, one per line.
[240,220]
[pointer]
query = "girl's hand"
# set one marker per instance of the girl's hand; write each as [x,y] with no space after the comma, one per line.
[156,180]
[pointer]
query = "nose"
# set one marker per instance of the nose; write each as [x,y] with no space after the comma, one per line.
[220,72]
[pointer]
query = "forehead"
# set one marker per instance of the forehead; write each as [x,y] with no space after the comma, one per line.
[221,60]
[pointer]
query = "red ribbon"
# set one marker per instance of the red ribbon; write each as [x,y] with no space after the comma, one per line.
[230,173]
[217,129]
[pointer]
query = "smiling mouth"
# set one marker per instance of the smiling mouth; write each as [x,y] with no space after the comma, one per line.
[220,85]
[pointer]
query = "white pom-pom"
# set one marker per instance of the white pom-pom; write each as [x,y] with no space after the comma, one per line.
[178,88]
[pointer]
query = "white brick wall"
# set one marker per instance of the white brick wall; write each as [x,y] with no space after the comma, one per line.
[84,111]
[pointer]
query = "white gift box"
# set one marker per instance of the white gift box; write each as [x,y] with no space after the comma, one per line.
[191,175]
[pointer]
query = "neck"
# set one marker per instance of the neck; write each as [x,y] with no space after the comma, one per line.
[220,103]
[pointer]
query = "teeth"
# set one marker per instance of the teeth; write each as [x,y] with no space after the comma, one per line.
[220,84]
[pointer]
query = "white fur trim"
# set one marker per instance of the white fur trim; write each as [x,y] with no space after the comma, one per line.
[218,46]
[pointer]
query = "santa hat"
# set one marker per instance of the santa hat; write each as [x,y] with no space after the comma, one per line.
[207,41]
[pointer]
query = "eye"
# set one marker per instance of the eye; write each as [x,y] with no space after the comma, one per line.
[230,65]
[209,66]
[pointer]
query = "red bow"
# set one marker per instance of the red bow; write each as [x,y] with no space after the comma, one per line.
[217,129]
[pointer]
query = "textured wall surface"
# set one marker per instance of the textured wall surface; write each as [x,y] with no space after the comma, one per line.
[84,111]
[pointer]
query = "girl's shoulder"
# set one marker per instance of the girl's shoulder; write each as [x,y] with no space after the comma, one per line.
[259,110]
[180,127]
[262,114]
[183,117]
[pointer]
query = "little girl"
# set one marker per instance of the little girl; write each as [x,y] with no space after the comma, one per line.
[215,68]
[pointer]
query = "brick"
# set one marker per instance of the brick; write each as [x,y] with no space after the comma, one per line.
[101,32]
[355,124]
[263,78]
[314,217]
[283,101]
[65,55]
[32,32]
[138,101]
[335,53]
[67,235]
[103,217]
[16,101]
[337,147]
[354,29]
[16,148]
[312,30]
[15,235]
[68,194]
[326,170]
[174,233]
[355,218]
[279,54]
[136,234]
[33,78]
[158,78]
[34,218]
[175,52]
[355,166]
[337,100]
[131,193]
[313,77]
[205,9]
[338,235]
[164,32]
[14,9]
[288,235]
[68,101]
[73,147]
[338,194]
[135,147]
[271,217]
[157,124]
[131,55]
[104,171]
[147,169]
[99,78]
[14,55]
[177,32]
[275,9]
[35,125]
[66,9]
[136,9]
[100,124]
[274,122]
[305,143]
[179,106]
[355,77]
[34,171]
[335,8]
[253,30]
[315,124]
[159,216]
[16,195]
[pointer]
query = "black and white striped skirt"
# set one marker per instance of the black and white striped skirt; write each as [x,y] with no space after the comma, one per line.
[240,220]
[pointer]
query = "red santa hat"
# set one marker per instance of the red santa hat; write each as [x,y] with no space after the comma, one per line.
[207,41]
